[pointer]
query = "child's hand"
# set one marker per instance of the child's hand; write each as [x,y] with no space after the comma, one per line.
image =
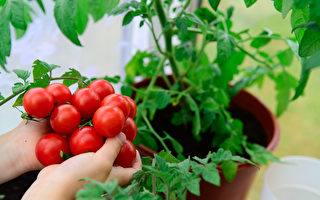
[17,148]
[62,181]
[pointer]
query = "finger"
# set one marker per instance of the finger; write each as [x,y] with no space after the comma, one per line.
[110,150]
[46,170]
[137,164]
[123,175]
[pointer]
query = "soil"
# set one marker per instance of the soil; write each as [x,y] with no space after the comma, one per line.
[251,127]
[14,189]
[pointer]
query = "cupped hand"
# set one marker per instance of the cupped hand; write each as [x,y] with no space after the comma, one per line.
[17,148]
[62,181]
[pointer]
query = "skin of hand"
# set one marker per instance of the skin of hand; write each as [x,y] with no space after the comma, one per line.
[62,181]
[17,148]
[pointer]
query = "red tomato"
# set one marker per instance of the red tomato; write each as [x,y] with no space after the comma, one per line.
[38,102]
[48,149]
[87,102]
[119,101]
[65,119]
[126,155]
[85,139]
[130,129]
[102,87]
[133,107]
[61,93]
[108,121]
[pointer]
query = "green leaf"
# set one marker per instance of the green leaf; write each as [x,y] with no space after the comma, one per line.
[72,73]
[182,25]
[1,97]
[129,17]
[5,40]
[175,144]
[81,17]
[193,185]
[286,7]
[18,101]
[18,88]
[39,2]
[17,14]
[2,196]
[40,75]
[249,2]
[229,169]
[23,74]
[100,7]
[196,120]
[126,90]
[285,57]
[124,7]
[162,99]
[64,155]
[312,62]
[225,46]
[64,13]
[211,174]
[259,154]
[214,4]
[261,41]
[168,157]
[163,166]
[298,17]
[90,192]
[310,43]
[283,92]
[278,5]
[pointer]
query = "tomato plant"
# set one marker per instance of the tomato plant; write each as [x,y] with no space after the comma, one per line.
[119,101]
[130,129]
[108,121]
[87,102]
[126,155]
[61,93]
[38,102]
[85,139]
[65,119]
[48,149]
[102,87]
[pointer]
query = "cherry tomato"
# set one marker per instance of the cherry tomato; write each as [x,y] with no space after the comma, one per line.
[108,121]
[130,129]
[133,107]
[85,139]
[119,101]
[102,87]
[126,155]
[48,149]
[61,93]
[87,102]
[38,102]
[65,119]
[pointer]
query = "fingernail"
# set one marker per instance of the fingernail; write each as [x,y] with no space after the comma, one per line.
[122,137]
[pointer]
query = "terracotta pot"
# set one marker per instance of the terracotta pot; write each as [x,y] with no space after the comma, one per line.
[239,187]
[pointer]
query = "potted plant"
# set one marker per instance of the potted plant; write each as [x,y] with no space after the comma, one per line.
[200,108]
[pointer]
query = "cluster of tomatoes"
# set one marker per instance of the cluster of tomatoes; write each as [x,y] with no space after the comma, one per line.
[109,113]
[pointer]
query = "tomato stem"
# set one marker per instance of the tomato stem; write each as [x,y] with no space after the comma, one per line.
[68,78]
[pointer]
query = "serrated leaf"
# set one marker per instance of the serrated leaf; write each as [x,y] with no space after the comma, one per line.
[283,93]
[124,7]
[18,88]
[225,46]
[162,99]
[168,157]
[40,76]
[99,8]
[285,57]
[64,13]
[229,169]
[193,185]
[182,25]
[90,192]
[310,43]
[299,16]
[211,174]
[5,40]
[128,18]
[286,7]
[214,4]
[18,101]
[163,166]
[259,42]
[23,74]
[259,154]
[17,14]
[81,18]
[249,2]
[72,73]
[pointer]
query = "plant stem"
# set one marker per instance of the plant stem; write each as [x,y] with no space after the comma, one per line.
[186,5]
[167,31]
[68,78]
[253,57]
[10,97]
